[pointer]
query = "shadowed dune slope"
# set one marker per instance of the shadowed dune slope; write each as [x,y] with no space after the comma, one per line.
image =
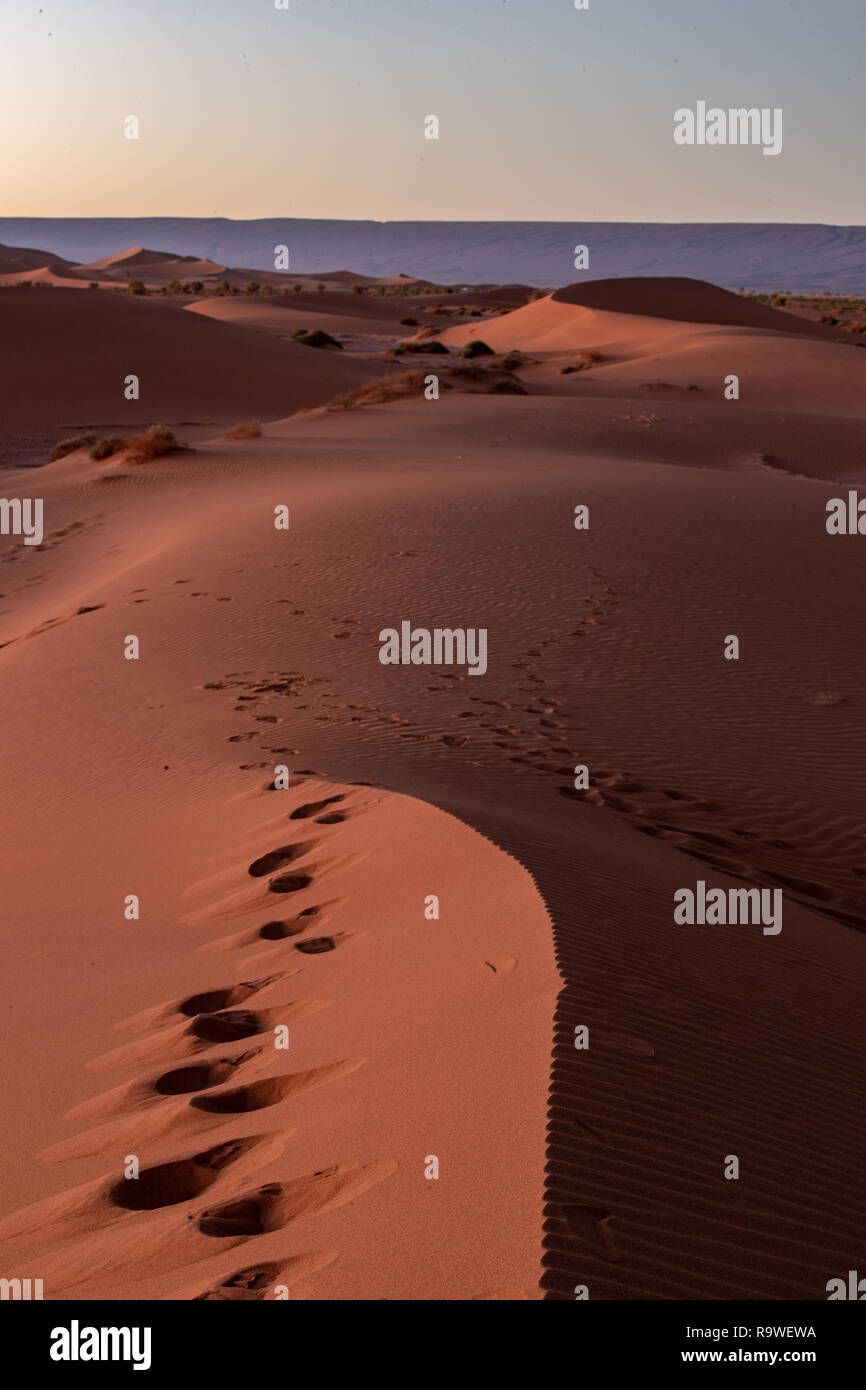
[685,300]
[189,367]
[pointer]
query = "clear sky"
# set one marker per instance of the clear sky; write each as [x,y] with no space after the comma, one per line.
[546,112]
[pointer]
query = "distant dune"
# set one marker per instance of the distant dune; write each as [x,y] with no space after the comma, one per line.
[677,333]
[22,259]
[685,301]
[759,256]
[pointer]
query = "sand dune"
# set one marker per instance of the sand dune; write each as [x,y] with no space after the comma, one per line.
[285,318]
[640,335]
[190,368]
[57,274]
[685,301]
[22,259]
[305,914]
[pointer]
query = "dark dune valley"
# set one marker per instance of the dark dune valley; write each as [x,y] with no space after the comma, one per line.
[351,946]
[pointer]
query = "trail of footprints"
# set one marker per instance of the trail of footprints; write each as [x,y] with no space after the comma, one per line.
[815,854]
[212,1057]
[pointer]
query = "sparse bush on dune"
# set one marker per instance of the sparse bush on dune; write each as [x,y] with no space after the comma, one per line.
[584,361]
[511,361]
[108,445]
[68,446]
[174,287]
[428,331]
[487,381]
[477,348]
[380,390]
[93,285]
[320,287]
[357,289]
[223,287]
[246,429]
[156,441]
[316,338]
[137,287]
[427,346]
[409,322]
[253,287]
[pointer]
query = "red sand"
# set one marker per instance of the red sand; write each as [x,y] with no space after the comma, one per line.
[413,1037]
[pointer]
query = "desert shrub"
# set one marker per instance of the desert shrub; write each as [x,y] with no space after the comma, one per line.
[476,348]
[246,429]
[428,331]
[316,338]
[93,285]
[156,441]
[223,287]
[320,287]
[136,287]
[585,360]
[196,286]
[381,390]
[296,289]
[68,446]
[425,347]
[253,287]
[106,446]
[357,289]
[409,322]
[511,360]
[175,287]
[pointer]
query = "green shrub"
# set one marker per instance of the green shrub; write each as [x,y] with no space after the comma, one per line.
[108,445]
[428,345]
[476,348]
[247,429]
[317,338]
[68,446]
[511,361]
[156,441]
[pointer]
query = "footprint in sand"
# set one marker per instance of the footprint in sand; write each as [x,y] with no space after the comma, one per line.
[278,858]
[319,945]
[168,1184]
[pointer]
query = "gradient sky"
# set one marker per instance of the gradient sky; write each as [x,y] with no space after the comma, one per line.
[546,113]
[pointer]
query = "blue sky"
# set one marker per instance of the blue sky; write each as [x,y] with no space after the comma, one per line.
[547,113]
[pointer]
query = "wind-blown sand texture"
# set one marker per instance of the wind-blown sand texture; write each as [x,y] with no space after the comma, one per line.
[262,908]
